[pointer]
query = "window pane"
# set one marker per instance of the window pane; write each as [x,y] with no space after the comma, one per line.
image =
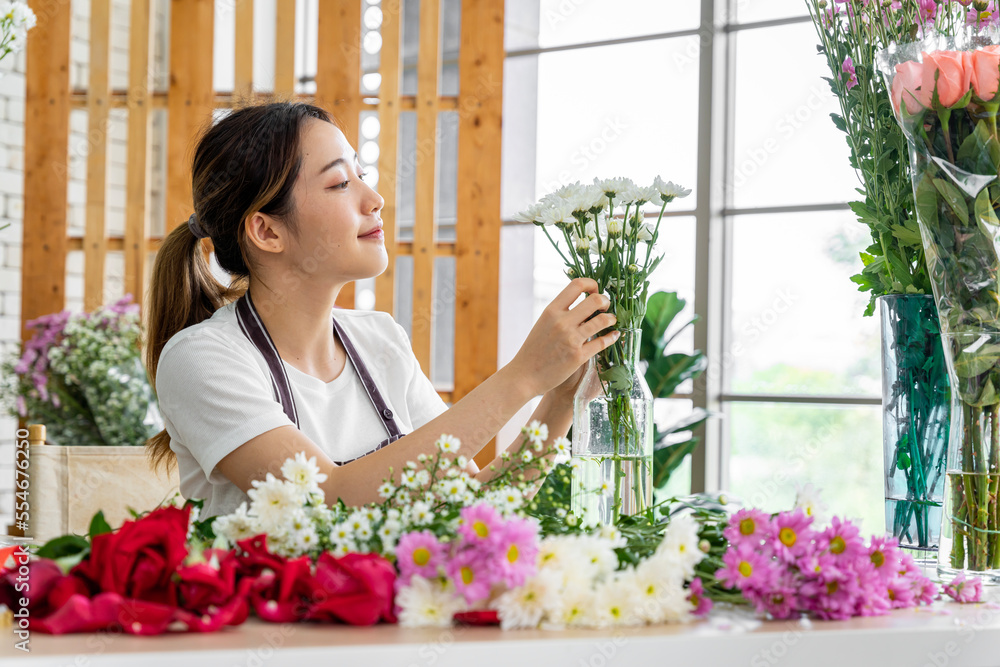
[837,449]
[787,150]
[666,412]
[748,11]
[797,325]
[602,114]
[574,22]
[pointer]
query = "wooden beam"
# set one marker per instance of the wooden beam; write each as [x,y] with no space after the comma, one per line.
[190,99]
[139,158]
[243,80]
[284,49]
[388,157]
[228,99]
[477,246]
[46,168]
[428,66]
[116,243]
[95,248]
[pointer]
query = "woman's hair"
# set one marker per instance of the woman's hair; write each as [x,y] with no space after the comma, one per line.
[245,163]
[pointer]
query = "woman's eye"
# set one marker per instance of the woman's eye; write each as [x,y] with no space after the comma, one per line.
[342,186]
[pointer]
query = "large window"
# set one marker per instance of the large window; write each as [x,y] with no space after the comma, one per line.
[795,365]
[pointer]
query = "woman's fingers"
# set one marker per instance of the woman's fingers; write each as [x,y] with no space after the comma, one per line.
[586,308]
[592,347]
[571,292]
[597,324]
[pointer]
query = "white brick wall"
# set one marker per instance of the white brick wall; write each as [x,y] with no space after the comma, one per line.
[12,111]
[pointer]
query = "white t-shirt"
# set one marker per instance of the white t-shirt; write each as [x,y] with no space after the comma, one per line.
[215,394]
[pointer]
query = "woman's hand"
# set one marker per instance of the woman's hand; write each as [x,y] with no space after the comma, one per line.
[558,346]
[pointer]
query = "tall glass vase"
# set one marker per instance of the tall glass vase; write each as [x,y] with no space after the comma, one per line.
[915,419]
[613,436]
[954,151]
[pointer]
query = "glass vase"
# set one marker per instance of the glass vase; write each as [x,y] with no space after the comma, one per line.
[915,419]
[970,532]
[613,436]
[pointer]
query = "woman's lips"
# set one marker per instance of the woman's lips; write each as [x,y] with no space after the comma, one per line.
[375,234]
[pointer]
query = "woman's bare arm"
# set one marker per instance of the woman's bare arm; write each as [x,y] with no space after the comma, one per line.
[555,350]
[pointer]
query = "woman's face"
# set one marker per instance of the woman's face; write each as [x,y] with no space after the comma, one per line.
[338,229]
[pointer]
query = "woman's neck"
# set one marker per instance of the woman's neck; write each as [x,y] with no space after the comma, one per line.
[299,322]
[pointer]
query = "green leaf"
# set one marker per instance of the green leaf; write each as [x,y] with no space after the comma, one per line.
[661,309]
[61,547]
[98,525]
[953,197]
[925,200]
[619,378]
[985,214]
[988,396]
[971,364]
[665,374]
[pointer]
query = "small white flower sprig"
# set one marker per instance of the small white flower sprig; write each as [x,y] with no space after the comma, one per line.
[16,19]
[427,495]
[605,232]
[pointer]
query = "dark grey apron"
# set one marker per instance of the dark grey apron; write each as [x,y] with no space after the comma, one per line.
[253,328]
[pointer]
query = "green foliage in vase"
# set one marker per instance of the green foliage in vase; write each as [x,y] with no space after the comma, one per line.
[849,40]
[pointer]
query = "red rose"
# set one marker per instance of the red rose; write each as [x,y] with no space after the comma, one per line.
[211,585]
[49,588]
[254,558]
[139,560]
[355,589]
[282,595]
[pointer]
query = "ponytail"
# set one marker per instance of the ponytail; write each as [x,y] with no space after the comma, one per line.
[183,292]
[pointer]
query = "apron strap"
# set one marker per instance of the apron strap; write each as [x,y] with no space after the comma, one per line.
[253,328]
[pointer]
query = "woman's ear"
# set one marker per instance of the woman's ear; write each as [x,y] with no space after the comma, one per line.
[267,233]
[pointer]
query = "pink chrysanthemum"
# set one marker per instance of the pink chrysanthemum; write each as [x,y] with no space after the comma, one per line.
[924,590]
[480,524]
[900,593]
[469,570]
[884,556]
[791,535]
[843,539]
[419,553]
[780,602]
[517,551]
[965,590]
[745,568]
[848,68]
[696,596]
[751,526]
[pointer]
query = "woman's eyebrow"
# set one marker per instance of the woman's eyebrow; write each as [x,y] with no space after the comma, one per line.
[336,162]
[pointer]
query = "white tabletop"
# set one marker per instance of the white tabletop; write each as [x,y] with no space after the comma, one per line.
[945,634]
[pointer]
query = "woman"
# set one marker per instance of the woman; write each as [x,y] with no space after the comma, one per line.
[249,375]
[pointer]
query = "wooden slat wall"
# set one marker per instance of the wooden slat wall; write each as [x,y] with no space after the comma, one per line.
[428,66]
[284,49]
[190,101]
[243,82]
[189,98]
[139,153]
[94,247]
[46,170]
[338,79]
[477,247]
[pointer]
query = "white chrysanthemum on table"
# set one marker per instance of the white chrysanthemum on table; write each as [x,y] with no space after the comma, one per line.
[448,444]
[617,601]
[427,604]
[809,499]
[272,499]
[236,526]
[679,547]
[524,607]
[661,592]
[305,474]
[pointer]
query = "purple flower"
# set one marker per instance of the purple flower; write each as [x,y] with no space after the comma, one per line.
[884,556]
[900,592]
[791,536]
[470,572]
[22,407]
[848,68]
[924,590]
[419,553]
[517,551]
[843,539]
[745,567]
[480,524]
[750,526]
[965,590]
[696,596]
